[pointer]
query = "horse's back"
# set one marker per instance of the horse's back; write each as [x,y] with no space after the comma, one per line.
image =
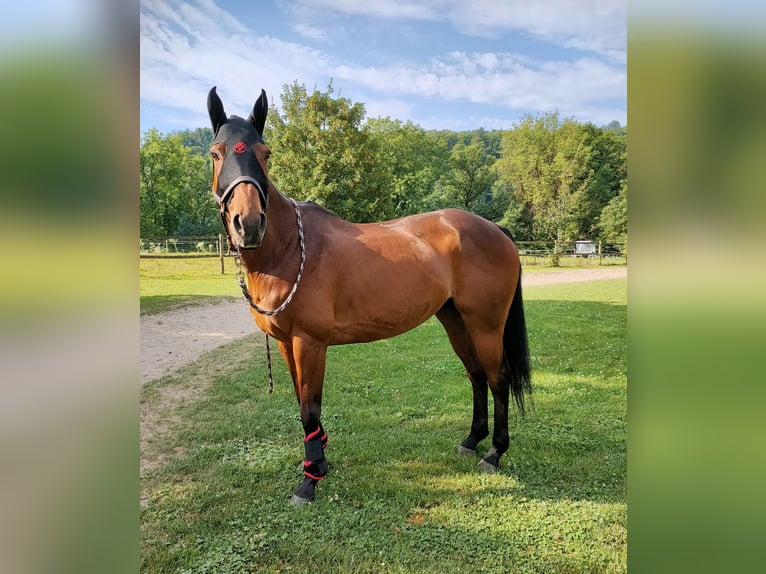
[449,246]
[382,279]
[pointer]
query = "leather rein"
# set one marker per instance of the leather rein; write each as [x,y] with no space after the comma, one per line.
[223,202]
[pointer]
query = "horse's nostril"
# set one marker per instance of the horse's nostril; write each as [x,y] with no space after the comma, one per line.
[263,220]
[236,222]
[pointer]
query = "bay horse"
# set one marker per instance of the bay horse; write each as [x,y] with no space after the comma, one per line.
[314,280]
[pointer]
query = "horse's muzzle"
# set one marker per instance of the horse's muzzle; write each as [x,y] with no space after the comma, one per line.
[248,232]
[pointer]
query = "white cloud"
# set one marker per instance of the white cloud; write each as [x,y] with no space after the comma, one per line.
[504,80]
[388,9]
[187,47]
[185,51]
[591,25]
[311,32]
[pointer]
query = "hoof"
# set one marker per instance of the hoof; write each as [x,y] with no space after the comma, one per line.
[296,500]
[484,466]
[304,494]
[463,451]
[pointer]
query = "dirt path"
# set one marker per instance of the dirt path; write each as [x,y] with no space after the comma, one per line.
[173,339]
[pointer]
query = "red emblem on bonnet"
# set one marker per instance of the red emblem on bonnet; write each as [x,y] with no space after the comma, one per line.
[240,147]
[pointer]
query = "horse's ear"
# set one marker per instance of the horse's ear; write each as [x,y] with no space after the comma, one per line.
[258,115]
[215,110]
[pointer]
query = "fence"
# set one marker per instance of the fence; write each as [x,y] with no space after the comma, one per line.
[187,247]
[532,252]
[596,252]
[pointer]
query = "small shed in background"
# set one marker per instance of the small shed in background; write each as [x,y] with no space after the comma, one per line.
[585,248]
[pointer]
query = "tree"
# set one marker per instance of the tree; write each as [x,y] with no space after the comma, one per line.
[198,141]
[414,159]
[609,166]
[200,213]
[492,139]
[547,162]
[322,153]
[471,175]
[614,126]
[174,187]
[613,222]
[507,211]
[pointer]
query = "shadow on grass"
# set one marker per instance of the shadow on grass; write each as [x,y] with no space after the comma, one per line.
[570,446]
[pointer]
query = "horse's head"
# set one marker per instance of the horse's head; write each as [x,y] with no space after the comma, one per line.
[240,170]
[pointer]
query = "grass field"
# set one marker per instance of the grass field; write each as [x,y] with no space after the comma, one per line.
[167,284]
[398,499]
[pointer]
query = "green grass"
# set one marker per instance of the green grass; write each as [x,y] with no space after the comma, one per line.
[167,284]
[398,499]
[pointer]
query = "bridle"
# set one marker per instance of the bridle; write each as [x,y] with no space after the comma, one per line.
[223,201]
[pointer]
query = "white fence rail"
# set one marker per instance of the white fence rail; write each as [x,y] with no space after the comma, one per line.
[538,252]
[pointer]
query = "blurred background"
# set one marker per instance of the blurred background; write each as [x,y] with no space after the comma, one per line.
[696,93]
[69,338]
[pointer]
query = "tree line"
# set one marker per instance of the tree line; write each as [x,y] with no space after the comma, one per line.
[547,179]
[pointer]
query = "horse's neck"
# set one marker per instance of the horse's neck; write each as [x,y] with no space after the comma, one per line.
[280,244]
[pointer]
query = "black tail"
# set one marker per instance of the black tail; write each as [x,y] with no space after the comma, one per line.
[516,349]
[516,346]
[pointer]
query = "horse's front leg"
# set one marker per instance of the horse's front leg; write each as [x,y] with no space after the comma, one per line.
[309,359]
[287,354]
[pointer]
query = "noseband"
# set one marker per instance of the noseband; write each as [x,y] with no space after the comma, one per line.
[225,197]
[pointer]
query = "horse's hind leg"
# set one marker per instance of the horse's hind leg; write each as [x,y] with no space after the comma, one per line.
[489,350]
[479,422]
[463,347]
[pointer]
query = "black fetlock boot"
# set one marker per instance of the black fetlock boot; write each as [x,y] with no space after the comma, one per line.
[314,466]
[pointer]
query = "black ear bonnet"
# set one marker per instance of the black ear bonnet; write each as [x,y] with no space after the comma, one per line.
[240,163]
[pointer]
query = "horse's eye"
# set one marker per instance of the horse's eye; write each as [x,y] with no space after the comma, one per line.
[268,155]
[215,155]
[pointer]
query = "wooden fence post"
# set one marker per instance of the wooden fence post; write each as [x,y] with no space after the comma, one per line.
[220,251]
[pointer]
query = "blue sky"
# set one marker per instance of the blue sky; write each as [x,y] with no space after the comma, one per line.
[443,64]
